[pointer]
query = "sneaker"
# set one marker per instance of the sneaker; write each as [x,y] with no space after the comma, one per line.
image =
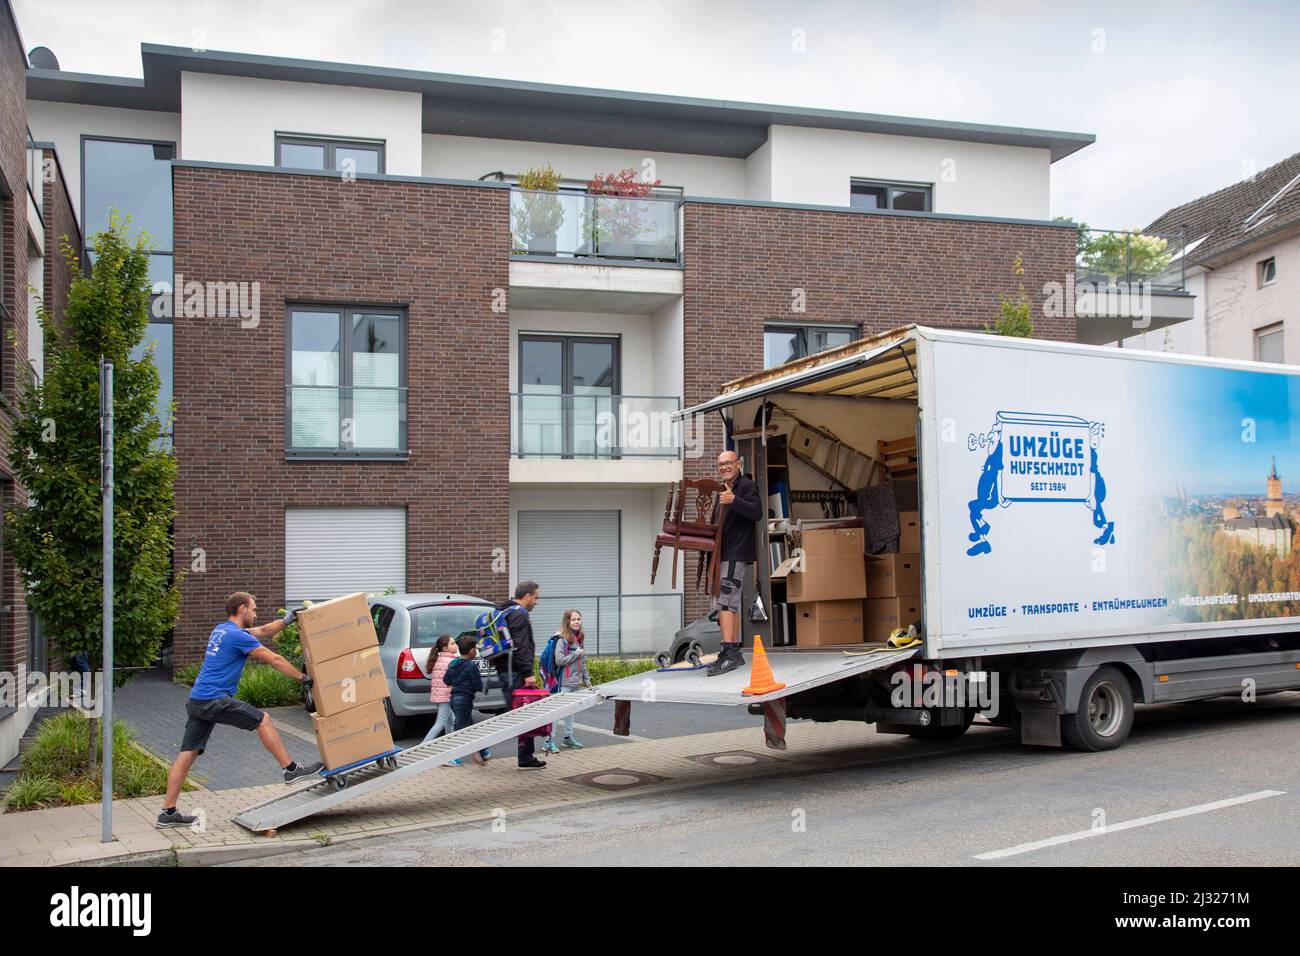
[301,770]
[572,743]
[533,764]
[487,754]
[730,657]
[456,763]
[548,746]
[174,818]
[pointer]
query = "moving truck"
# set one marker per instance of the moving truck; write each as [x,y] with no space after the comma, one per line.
[1098,527]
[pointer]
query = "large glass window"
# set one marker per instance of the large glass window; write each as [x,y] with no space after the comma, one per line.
[347,380]
[311,152]
[784,343]
[873,194]
[159,334]
[135,178]
[568,390]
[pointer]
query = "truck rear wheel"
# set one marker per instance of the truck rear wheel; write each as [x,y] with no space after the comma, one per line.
[1104,716]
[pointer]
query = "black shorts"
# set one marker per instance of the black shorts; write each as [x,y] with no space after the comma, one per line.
[206,714]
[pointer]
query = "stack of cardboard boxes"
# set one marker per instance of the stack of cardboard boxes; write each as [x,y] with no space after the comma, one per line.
[341,655]
[842,596]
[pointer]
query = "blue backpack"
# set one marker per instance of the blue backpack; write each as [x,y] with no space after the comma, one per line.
[493,635]
[547,659]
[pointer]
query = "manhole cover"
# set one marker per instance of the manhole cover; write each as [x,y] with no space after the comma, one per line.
[732,758]
[615,778]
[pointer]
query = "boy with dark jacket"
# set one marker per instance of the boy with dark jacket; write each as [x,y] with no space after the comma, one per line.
[465,681]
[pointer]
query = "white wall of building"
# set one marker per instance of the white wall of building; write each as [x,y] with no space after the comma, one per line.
[234,119]
[1185,338]
[816,166]
[63,124]
[469,157]
[758,173]
[1237,305]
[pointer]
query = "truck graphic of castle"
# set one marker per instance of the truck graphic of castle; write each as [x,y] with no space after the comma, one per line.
[1035,457]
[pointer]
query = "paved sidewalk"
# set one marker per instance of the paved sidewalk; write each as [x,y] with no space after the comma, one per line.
[154,706]
[461,794]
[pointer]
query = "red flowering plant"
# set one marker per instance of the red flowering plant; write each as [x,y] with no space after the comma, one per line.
[615,219]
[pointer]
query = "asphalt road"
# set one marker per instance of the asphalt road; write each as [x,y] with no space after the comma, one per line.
[1209,783]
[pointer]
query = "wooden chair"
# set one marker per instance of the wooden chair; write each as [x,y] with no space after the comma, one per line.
[898,457]
[692,522]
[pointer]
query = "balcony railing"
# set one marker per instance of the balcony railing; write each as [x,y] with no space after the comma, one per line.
[1111,257]
[594,426]
[577,226]
[36,182]
[617,625]
[344,420]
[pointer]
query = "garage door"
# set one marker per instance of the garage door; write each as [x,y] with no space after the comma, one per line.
[334,551]
[574,556]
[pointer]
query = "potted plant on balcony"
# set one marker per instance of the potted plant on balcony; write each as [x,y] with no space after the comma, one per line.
[615,220]
[537,211]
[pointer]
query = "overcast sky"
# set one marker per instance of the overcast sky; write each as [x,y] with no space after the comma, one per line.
[1184,98]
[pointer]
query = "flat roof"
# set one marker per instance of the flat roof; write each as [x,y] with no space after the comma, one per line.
[513,109]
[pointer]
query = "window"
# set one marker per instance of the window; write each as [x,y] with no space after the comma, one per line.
[1268,271]
[568,388]
[430,622]
[1268,345]
[160,334]
[872,194]
[310,152]
[135,178]
[347,381]
[784,343]
[382,615]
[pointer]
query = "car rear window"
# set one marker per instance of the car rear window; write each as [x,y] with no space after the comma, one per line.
[430,622]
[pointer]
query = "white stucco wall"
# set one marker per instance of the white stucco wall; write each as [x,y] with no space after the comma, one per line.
[63,124]
[469,157]
[1237,306]
[817,165]
[234,119]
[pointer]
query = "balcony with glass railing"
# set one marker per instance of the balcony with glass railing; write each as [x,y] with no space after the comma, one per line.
[594,426]
[1130,256]
[345,421]
[617,625]
[572,225]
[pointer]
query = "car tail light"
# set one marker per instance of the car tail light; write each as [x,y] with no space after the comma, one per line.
[406,665]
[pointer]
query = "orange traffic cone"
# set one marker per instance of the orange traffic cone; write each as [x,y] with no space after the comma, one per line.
[761,680]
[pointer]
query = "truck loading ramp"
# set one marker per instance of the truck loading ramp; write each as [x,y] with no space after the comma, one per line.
[798,670]
[322,795]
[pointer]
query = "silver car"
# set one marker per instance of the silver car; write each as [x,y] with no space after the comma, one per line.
[408,626]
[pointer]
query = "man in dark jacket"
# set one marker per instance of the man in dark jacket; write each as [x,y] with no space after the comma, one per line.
[743,510]
[524,653]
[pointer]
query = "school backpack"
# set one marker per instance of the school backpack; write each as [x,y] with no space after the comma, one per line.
[547,659]
[493,635]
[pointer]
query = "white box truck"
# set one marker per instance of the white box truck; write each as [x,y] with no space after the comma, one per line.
[1100,527]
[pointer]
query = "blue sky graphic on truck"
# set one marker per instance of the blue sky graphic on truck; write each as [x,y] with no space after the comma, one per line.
[1038,456]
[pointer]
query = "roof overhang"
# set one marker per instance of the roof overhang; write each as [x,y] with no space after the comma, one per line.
[881,367]
[511,109]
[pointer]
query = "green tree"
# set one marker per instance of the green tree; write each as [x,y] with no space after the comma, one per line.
[57,538]
[1127,255]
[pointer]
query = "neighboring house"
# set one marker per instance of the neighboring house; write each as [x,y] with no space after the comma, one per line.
[424,397]
[1243,266]
[35,211]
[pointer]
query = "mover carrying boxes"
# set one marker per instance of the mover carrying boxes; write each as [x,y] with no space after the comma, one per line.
[341,656]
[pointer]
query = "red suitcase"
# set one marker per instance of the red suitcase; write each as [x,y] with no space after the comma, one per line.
[530,695]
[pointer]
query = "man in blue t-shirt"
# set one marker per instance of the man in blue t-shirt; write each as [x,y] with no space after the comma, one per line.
[213,701]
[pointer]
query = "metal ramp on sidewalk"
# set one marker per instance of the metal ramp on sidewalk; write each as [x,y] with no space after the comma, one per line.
[306,801]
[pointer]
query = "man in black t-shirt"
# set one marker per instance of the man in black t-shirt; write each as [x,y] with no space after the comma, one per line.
[742,510]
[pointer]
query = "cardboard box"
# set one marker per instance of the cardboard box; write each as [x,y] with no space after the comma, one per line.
[335,628]
[909,532]
[882,616]
[345,682]
[829,622]
[355,734]
[893,575]
[833,567]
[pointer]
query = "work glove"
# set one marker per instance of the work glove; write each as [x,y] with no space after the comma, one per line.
[307,682]
[289,616]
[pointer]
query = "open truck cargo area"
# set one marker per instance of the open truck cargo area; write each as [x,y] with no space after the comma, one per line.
[1095,527]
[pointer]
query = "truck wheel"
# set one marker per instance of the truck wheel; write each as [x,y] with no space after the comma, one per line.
[933,731]
[1105,713]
